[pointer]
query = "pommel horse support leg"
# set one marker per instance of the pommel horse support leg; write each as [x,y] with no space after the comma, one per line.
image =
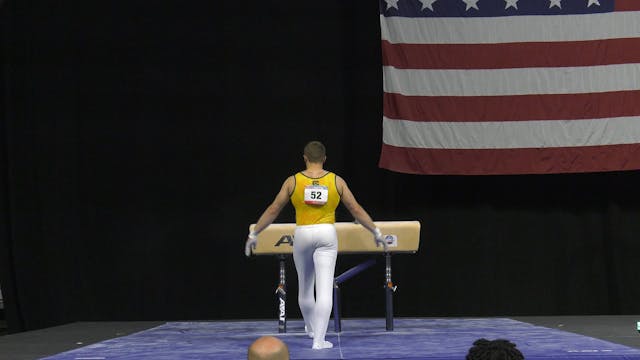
[281,291]
[336,289]
[389,289]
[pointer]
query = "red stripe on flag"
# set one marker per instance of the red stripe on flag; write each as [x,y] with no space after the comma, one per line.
[511,55]
[512,108]
[627,5]
[510,161]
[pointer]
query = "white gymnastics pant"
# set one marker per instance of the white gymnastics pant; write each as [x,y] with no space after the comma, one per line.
[315,249]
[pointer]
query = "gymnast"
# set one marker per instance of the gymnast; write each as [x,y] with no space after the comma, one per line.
[315,194]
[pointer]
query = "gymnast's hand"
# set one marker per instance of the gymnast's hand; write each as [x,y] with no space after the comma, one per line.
[252,240]
[380,239]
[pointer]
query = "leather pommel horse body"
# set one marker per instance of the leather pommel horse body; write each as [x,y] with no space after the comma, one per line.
[401,237]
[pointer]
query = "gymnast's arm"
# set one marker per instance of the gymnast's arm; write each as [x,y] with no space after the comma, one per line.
[273,210]
[349,201]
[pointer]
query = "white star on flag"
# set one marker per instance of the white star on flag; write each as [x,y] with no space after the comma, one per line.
[392,3]
[511,3]
[553,3]
[427,4]
[471,4]
[593,2]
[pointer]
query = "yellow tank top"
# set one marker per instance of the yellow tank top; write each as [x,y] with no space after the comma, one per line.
[315,199]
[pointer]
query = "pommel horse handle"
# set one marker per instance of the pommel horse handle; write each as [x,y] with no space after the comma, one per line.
[401,237]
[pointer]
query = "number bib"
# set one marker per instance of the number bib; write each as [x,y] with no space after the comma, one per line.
[316,195]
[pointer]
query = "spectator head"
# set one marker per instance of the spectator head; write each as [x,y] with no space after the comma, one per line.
[268,348]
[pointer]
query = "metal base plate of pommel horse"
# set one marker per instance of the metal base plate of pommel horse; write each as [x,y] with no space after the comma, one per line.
[401,237]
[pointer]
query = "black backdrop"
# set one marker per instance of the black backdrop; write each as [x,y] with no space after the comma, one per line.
[140,139]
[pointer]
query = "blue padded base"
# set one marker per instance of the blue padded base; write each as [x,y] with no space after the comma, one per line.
[419,338]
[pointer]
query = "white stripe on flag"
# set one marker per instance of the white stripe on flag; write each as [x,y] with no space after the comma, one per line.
[508,29]
[511,134]
[562,80]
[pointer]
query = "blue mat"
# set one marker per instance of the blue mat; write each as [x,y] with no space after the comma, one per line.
[433,339]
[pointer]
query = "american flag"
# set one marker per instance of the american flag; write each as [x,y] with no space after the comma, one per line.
[478,87]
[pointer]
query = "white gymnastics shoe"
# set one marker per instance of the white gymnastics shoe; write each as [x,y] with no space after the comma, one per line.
[323,345]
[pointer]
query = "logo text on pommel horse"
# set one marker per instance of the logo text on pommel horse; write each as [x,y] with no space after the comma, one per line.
[285,239]
[282,310]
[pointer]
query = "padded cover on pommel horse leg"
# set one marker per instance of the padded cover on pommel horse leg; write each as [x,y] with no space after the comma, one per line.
[401,237]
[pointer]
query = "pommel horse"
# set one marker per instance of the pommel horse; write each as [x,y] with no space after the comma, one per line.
[353,238]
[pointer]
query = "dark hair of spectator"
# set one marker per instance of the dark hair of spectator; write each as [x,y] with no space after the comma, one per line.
[499,349]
